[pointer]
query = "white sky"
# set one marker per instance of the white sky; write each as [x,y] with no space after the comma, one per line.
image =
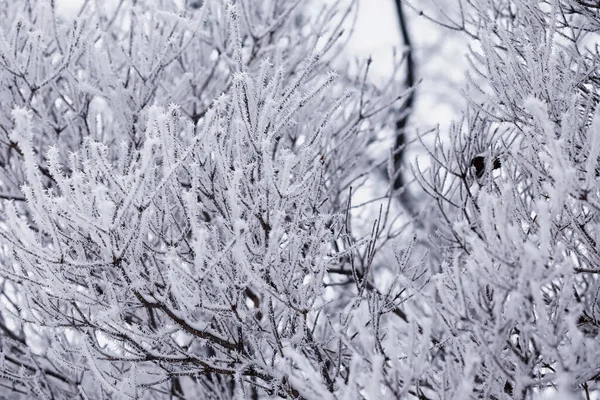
[439,57]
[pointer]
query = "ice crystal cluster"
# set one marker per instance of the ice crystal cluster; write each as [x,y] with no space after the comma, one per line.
[192,206]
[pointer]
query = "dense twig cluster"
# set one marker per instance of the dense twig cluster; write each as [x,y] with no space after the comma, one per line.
[516,187]
[200,250]
[179,214]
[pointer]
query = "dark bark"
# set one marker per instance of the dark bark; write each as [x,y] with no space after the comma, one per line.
[404,114]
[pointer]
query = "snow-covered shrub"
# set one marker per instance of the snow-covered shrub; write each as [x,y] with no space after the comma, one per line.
[178,214]
[517,188]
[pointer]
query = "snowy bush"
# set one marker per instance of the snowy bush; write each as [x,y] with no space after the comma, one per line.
[517,189]
[178,214]
[184,212]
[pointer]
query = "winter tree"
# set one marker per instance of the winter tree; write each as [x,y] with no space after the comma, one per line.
[184,212]
[516,186]
[179,219]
